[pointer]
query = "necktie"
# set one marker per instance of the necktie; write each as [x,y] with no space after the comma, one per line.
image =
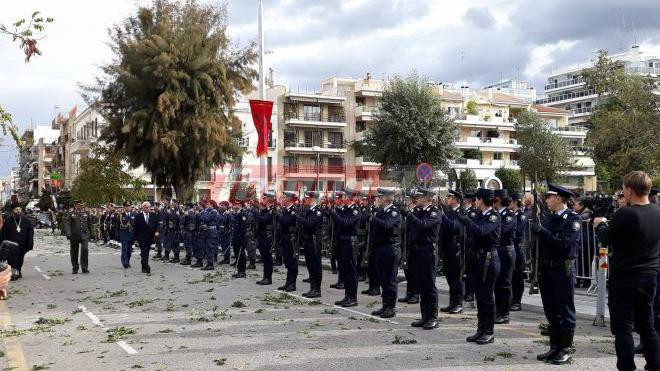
[146,218]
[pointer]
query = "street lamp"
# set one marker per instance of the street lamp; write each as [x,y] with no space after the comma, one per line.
[317,149]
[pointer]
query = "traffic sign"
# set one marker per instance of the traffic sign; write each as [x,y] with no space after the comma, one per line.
[424,172]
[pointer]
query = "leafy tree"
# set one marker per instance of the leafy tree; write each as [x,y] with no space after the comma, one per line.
[471,108]
[45,202]
[410,126]
[102,179]
[624,129]
[467,181]
[511,179]
[27,34]
[543,154]
[168,94]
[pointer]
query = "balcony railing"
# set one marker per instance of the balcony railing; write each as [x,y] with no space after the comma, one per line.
[313,169]
[642,70]
[578,129]
[583,110]
[564,83]
[315,117]
[493,141]
[478,162]
[582,149]
[567,96]
[315,143]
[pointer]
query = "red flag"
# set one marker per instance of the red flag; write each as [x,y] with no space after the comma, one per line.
[261,111]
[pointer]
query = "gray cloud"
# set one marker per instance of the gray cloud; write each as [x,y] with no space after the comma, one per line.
[480,17]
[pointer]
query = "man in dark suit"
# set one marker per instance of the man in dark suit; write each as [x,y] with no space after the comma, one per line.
[146,222]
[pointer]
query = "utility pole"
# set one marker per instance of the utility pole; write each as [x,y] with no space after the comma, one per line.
[262,92]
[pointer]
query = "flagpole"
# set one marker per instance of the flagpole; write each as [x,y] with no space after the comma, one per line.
[262,92]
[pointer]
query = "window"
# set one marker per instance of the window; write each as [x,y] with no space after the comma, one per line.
[312,138]
[312,113]
[497,155]
[360,126]
[452,111]
[335,139]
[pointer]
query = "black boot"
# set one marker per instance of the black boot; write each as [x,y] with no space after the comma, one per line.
[425,316]
[208,267]
[378,312]
[502,319]
[313,293]
[563,355]
[238,275]
[198,263]
[342,301]
[405,298]
[175,259]
[456,309]
[414,299]
[554,346]
[478,334]
[432,321]
[265,281]
[488,336]
[251,265]
[351,302]
[389,312]
[186,261]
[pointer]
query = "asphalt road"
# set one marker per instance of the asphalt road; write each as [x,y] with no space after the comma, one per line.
[178,318]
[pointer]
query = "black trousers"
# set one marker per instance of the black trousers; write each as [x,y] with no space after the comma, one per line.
[631,299]
[454,273]
[312,249]
[423,263]
[386,259]
[145,245]
[290,260]
[239,252]
[348,265]
[79,247]
[503,292]
[16,257]
[373,271]
[518,277]
[264,245]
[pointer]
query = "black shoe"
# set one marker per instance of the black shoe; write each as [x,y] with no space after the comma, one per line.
[362,278]
[639,349]
[306,280]
[73,271]
[290,288]
[351,302]
[388,313]
[414,299]
[85,270]
[420,322]
[563,355]
[236,275]
[405,298]
[431,324]
[175,259]
[146,270]
[486,338]
[372,292]
[208,267]
[312,294]
[516,307]
[198,264]
[186,261]
[251,266]
[338,286]
[283,287]
[554,347]
[501,320]
[456,309]
[477,335]
[265,281]
[157,256]
[378,312]
[446,309]
[126,266]
[342,301]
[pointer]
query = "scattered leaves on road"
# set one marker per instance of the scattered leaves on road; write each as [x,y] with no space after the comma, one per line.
[398,339]
[220,362]
[139,303]
[119,333]
[238,304]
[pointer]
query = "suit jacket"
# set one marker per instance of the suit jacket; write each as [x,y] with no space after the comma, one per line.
[145,231]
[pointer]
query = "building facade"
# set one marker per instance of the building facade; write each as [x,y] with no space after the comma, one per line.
[36,161]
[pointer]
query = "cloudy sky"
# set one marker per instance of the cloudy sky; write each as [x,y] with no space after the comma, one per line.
[468,41]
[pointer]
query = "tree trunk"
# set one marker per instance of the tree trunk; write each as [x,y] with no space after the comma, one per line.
[181,189]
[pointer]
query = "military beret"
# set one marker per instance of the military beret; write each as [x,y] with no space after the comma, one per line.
[382,191]
[485,194]
[555,189]
[454,193]
[501,193]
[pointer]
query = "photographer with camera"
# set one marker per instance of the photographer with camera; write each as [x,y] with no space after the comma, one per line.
[634,241]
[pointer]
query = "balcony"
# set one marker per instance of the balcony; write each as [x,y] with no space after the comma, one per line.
[332,98]
[571,131]
[564,84]
[510,145]
[311,171]
[365,113]
[584,111]
[312,146]
[485,121]
[80,147]
[315,120]
[370,88]
[367,163]
[581,150]
[464,163]
[653,71]
[567,97]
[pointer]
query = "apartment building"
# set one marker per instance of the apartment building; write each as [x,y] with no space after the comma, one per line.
[566,89]
[36,160]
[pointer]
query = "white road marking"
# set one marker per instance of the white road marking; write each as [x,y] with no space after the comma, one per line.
[340,307]
[45,276]
[96,321]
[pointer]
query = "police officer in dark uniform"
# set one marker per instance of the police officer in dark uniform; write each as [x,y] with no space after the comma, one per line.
[224,231]
[209,226]
[310,222]
[519,238]
[194,223]
[559,240]
[412,291]
[385,232]
[507,254]
[425,223]
[346,222]
[453,240]
[160,229]
[470,255]
[189,232]
[265,218]
[238,241]
[335,260]
[286,234]
[485,232]
[368,259]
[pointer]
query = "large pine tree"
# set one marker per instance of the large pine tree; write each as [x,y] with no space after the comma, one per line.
[168,94]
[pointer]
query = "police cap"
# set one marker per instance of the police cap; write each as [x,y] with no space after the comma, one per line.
[485,194]
[455,193]
[289,194]
[501,193]
[555,189]
[382,191]
[313,194]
